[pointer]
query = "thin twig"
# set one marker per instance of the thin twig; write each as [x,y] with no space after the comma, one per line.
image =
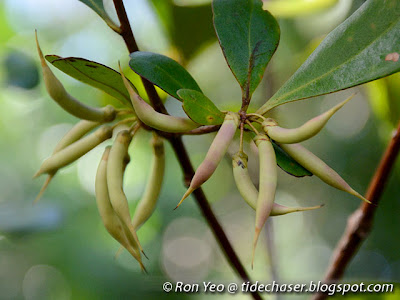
[359,224]
[241,137]
[183,157]
[203,130]
[252,127]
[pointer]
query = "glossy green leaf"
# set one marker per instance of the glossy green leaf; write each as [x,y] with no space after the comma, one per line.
[248,36]
[357,51]
[162,71]
[94,74]
[199,108]
[98,7]
[288,164]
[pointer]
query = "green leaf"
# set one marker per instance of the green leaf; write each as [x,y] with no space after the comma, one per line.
[98,7]
[288,164]
[199,108]
[162,71]
[248,36]
[352,54]
[94,74]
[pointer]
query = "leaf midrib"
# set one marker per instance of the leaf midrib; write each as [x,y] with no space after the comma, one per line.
[95,80]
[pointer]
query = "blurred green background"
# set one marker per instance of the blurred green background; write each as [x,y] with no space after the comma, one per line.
[59,249]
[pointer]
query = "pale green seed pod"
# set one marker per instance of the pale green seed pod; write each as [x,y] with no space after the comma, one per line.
[215,153]
[115,176]
[108,216]
[76,132]
[279,210]
[74,151]
[154,119]
[148,202]
[249,192]
[243,181]
[302,133]
[268,183]
[320,169]
[73,106]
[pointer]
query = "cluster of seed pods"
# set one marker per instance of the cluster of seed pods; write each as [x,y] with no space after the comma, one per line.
[262,200]
[110,197]
[96,126]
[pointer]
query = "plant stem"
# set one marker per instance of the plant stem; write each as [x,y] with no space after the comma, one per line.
[203,130]
[359,224]
[182,156]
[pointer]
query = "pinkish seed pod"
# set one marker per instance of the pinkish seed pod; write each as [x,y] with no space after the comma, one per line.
[214,155]
[268,183]
[302,133]
[320,169]
[154,119]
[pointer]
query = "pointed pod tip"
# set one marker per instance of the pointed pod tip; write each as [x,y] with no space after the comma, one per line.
[143,268]
[314,207]
[118,253]
[44,187]
[145,255]
[256,236]
[37,174]
[120,69]
[188,192]
[354,193]
[341,104]
[42,60]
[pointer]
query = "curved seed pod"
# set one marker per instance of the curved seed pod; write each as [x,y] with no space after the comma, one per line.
[110,219]
[249,192]
[76,132]
[74,151]
[214,155]
[302,133]
[320,169]
[268,182]
[115,176]
[154,119]
[243,181]
[152,191]
[279,210]
[73,106]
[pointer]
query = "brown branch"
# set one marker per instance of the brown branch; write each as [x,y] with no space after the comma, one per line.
[182,156]
[359,224]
